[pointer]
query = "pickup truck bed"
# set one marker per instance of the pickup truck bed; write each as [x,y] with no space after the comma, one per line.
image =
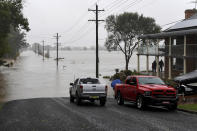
[88,89]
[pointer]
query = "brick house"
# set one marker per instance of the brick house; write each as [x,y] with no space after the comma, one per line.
[179,49]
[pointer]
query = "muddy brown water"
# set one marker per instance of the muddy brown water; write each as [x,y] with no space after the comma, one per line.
[31,77]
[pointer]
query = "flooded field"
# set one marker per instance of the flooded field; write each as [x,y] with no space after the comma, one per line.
[31,77]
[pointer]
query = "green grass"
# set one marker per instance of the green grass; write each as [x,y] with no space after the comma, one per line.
[190,107]
[1,106]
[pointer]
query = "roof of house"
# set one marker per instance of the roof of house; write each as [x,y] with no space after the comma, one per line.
[187,23]
[185,27]
[193,17]
[163,35]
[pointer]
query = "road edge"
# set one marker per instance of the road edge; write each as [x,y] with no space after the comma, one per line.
[188,111]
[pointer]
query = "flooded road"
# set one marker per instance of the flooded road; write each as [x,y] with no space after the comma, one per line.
[31,77]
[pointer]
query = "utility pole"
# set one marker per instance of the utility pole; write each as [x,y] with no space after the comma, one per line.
[43,49]
[38,49]
[57,38]
[97,45]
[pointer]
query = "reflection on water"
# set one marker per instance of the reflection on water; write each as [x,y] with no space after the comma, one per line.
[31,77]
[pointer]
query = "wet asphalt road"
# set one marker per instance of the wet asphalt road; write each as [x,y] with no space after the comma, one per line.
[58,114]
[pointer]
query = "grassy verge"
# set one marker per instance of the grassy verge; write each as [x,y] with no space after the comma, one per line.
[1,106]
[190,107]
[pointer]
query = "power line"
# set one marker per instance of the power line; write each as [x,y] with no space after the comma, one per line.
[118,4]
[172,22]
[81,28]
[113,4]
[131,3]
[76,41]
[79,32]
[150,3]
[109,3]
[75,23]
[80,37]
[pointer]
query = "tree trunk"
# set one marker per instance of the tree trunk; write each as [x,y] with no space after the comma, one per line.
[127,64]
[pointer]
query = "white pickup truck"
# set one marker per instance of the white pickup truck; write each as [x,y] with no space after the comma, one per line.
[88,89]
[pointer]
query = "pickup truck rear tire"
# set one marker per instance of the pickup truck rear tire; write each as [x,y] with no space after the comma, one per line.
[72,99]
[140,103]
[92,101]
[102,102]
[78,99]
[120,100]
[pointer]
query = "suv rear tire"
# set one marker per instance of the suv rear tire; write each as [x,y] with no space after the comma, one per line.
[120,100]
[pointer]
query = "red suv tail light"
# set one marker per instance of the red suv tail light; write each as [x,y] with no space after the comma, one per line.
[81,87]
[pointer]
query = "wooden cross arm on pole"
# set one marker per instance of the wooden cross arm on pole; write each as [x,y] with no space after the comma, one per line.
[96,20]
[95,10]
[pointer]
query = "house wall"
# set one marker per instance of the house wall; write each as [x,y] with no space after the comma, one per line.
[178,52]
[191,50]
[166,66]
[175,72]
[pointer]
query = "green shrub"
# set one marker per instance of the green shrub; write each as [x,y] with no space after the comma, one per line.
[106,77]
[127,72]
[122,75]
[170,82]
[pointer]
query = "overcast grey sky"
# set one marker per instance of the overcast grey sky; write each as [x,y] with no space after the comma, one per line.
[69,18]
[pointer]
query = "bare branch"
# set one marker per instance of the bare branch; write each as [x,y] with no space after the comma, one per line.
[121,49]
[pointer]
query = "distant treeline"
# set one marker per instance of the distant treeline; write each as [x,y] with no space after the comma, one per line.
[36,47]
[12,27]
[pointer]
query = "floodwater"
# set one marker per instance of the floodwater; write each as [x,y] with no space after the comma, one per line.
[31,77]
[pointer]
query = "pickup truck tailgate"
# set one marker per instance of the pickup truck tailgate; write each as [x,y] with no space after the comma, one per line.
[93,88]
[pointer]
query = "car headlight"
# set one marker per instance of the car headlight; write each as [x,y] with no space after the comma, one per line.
[147,93]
